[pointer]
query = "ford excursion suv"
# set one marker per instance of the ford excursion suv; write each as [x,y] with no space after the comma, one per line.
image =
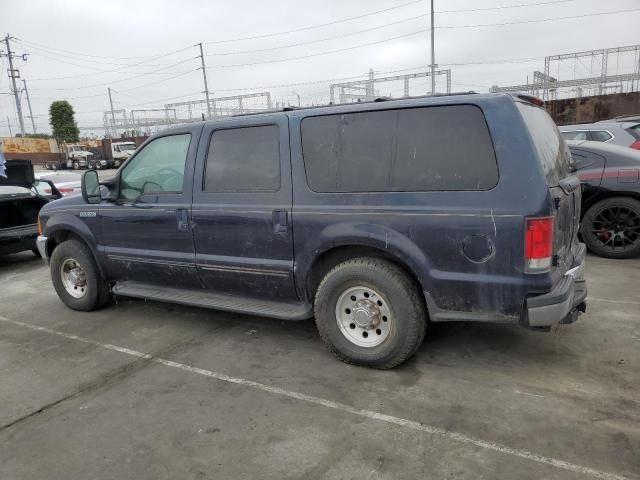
[375,218]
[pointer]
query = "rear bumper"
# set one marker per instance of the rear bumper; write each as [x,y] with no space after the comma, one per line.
[565,302]
[18,239]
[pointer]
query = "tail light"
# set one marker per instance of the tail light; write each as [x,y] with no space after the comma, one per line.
[39,226]
[635,145]
[538,244]
[65,190]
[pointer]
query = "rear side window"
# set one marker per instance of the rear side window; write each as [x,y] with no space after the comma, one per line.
[403,150]
[552,152]
[601,135]
[244,160]
[578,135]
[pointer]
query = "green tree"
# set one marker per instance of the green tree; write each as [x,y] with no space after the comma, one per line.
[62,121]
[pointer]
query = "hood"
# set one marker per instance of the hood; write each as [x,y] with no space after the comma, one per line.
[19,174]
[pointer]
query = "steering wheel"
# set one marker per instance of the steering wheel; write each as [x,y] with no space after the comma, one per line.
[169,174]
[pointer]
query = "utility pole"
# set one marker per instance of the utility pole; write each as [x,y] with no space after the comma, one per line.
[433,55]
[33,123]
[113,116]
[204,75]
[13,74]
[9,123]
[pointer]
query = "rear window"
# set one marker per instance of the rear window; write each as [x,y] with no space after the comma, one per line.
[402,150]
[553,154]
[635,131]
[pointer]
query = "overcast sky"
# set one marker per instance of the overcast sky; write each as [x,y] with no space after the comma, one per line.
[143,49]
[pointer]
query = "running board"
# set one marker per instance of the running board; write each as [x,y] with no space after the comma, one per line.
[218,301]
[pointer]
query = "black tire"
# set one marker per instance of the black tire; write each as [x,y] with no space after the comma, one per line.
[405,303]
[620,213]
[97,289]
[75,166]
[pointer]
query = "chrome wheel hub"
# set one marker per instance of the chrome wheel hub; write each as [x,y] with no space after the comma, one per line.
[73,278]
[363,316]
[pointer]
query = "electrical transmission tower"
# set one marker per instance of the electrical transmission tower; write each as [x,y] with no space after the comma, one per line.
[14,74]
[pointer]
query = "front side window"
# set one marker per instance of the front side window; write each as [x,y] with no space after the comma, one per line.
[157,168]
[402,150]
[244,159]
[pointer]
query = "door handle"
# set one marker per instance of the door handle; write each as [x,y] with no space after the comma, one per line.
[182,216]
[280,221]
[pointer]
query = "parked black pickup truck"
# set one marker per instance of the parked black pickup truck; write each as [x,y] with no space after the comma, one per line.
[20,203]
[372,217]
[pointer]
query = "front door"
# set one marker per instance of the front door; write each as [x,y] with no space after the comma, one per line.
[242,208]
[146,232]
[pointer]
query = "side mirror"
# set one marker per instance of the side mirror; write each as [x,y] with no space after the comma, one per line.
[91,187]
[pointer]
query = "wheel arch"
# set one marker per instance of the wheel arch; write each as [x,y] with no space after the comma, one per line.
[605,195]
[333,256]
[58,235]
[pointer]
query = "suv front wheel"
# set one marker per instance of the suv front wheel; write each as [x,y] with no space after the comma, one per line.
[370,313]
[76,277]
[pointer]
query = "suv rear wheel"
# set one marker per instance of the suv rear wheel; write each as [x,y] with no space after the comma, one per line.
[611,227]
[76,277]
[369,312]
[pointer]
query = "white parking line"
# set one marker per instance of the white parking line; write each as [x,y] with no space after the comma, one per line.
[401,422]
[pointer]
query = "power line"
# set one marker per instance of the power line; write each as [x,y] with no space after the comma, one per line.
[504,7]
[98,72]
[309,42]
[157,55]
[311,27]
[552,19]
[128,78]
[320,53]
[419,32]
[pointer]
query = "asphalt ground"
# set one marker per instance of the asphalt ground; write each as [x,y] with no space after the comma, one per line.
[157,391]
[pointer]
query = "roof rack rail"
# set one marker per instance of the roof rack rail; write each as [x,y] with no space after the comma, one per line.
[292,108]
[629,117]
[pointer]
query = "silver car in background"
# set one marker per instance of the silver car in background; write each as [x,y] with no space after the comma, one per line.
[624,131]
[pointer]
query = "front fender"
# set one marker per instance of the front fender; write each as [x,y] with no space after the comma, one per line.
[71,222]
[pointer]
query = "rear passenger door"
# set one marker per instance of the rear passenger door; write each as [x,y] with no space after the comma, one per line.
[242,208]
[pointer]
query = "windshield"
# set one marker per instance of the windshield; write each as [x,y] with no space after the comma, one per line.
[127,147]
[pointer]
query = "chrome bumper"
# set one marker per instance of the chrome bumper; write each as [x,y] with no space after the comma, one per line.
[41,243]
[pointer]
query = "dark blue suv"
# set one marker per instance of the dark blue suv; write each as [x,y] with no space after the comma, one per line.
[374,218]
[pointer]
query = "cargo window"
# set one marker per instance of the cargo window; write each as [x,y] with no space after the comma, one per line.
[553,154]
[244,160]
[401,150]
